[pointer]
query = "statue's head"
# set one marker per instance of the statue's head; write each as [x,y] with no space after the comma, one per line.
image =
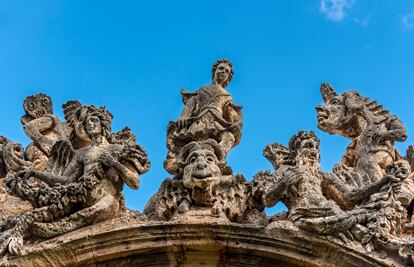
[222,72]
[36,106]
[201,163]
[97,122]
[342,114]
[304,148]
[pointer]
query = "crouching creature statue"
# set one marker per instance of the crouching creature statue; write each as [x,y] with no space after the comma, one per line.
[77,187]
[208,113]
[204,188]
[314,198]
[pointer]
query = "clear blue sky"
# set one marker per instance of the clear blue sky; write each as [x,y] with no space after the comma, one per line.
[134,56]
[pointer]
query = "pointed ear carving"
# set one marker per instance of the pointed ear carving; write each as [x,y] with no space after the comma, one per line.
[327,91]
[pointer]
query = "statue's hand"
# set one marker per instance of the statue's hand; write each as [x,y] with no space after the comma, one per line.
[380,138]
[182,123]
[107,160]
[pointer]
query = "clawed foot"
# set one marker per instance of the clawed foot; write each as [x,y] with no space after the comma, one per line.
[11,241]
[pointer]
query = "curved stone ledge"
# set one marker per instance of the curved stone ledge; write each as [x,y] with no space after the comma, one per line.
[131,242]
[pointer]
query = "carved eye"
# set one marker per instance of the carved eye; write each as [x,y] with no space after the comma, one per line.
[31,105]
[334,102]
[210,159]
[193,159]
[45,102]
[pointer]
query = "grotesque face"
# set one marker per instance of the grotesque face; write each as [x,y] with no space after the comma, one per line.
[222,73]
[400,169]
[331,115]
[201,170]
[308,151]
[93,125]
[37,106]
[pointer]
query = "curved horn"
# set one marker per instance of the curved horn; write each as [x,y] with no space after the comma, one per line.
[327,91]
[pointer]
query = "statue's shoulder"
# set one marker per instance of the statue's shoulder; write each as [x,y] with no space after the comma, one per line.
[187,95]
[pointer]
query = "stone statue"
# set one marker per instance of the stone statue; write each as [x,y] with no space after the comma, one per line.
[78,187]
[205,188]
[208,113]
[371,128]
[42,127]
[315,199]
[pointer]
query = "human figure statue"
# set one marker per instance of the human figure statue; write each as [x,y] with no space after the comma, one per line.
[302,186]
[208,113]
[79,187]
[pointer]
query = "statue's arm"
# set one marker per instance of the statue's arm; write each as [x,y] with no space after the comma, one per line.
[279,189]
[131,178]
[396,130]
[233,113]
[34,128]
[346,196]
[189,108]
[70,175]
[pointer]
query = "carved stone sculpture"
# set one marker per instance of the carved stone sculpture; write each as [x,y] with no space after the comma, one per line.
[42,127]
[205,188]
[208,113]
[62,199]
[372,130]
[77,187]
[313,198]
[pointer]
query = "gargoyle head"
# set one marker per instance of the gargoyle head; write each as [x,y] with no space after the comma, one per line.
[341,114]
[201,164]
[36,106]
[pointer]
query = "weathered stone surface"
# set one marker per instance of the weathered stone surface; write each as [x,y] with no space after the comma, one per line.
[69,184]
[62,201]
[128,242]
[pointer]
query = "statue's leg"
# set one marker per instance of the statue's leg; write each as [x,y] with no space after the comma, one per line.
[106,208]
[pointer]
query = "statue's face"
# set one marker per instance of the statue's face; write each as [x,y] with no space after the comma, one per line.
[308,151]
[222,73]
[202,169]
[331,115]
[93,125]
[401,169]
[38,106]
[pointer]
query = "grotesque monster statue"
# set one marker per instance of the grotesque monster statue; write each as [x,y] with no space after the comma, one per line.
[77,187]
[42,127]
[208,113]
[205,188]
[372,130]
[315,199]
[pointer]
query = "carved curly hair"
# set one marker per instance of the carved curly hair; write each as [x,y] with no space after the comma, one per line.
[296,140]
[225,61]
[104,116]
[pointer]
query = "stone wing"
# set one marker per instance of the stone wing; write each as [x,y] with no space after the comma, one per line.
[61,156]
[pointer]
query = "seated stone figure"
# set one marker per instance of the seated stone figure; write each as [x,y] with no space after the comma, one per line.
[313,197]
[43,128]
[208,113]
[204,188]
[302,186]
[78,187]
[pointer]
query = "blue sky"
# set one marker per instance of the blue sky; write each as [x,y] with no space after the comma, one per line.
[134,56]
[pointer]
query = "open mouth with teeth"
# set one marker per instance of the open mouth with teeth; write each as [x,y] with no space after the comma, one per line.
[322,116]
